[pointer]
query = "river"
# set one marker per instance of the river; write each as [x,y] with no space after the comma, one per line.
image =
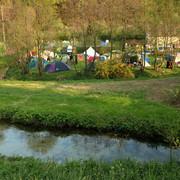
[62,145]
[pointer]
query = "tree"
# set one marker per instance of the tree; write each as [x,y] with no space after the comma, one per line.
[111,14]
[169,24]
[141,20]
[3,29]
[163,21]
[153,26]
[42,26]
[3,11]
[29,24]
[20,32]
[81,16]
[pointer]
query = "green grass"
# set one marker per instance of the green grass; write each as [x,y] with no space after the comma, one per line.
[67,104]
[150,73]
[30,168]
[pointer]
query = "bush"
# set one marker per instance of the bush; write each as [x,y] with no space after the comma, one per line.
[172,97]
[112,69]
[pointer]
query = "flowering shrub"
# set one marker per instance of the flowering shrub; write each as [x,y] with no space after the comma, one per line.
[112,69]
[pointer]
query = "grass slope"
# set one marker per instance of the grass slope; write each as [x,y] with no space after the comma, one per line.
[119,106]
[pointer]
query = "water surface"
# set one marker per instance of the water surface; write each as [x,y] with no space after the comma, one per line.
[74,145]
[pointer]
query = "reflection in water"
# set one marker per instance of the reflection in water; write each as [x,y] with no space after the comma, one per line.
[95,143]
[101,147]
[59,146]
[1,136]
[41,142]
[3,127]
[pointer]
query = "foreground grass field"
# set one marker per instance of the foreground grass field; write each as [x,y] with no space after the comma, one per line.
[29,168]
[134,107]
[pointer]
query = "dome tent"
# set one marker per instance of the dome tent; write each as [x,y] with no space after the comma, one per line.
[43,65]
[90,52]
[56,66]
[65,58]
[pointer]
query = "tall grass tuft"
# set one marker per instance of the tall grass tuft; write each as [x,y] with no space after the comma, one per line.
[29,168]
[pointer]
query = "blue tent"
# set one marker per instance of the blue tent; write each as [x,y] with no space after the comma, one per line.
[35,61]
[145,58]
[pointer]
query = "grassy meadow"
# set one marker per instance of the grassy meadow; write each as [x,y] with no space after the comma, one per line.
[135,107]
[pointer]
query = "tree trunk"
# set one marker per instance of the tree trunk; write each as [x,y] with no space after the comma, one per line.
[84,35]
[124,40]
[155,63]
[22,64]
[28,61]
[3,28]
[155,53]
[144,57]
[94,54]
[142,60]
[164,53]
[27,50]
[39,60]
[111,43]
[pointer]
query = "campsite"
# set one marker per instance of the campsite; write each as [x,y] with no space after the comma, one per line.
[63,103]
[89,89]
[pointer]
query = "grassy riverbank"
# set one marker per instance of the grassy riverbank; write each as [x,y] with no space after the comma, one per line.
[29,168]
[134,107]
